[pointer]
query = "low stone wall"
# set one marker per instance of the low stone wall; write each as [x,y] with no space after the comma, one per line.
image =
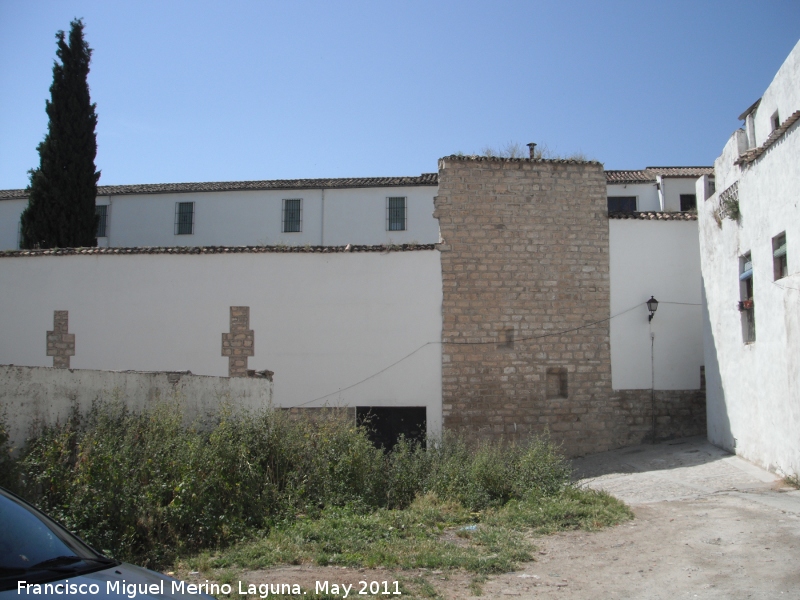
[679,413]
[35,396]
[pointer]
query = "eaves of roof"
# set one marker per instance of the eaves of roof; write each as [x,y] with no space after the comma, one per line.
[197,250]
[750,109]
[752,155]
[654,216]
[647,175]
[651,174]
[273,184]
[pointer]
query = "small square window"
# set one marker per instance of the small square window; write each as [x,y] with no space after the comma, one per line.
[396,214]
[775,120]
[293,215]
[688,202]
[184,218]
[746,305]
[622,204]
[780,267]
[101,210]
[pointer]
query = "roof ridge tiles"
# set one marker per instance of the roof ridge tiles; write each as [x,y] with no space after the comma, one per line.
[612,176]
[653,215]
[216,250]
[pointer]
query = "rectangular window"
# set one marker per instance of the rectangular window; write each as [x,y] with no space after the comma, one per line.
[622,204]
[293,215]
[101,210]
[395,214]
[184,218]
[780,267]
[746,305]
[688,202]
[776,121]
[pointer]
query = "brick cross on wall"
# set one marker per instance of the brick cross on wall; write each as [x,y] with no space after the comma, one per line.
[239,343]
[60,344]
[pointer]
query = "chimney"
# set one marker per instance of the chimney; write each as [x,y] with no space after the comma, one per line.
[532,148]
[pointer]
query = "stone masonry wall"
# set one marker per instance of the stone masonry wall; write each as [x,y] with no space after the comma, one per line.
[679,413]
[525,275]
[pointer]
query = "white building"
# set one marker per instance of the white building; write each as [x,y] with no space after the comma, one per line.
[343,285]
[750,252]
[316,212]
[296,212]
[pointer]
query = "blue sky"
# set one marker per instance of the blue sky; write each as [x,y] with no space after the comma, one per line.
[211,91]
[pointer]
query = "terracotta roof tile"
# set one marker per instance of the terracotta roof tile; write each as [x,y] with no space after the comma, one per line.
[647,175]
[217,250]
[654,216]
[273,184]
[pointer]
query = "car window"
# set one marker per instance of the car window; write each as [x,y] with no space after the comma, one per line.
[27,540]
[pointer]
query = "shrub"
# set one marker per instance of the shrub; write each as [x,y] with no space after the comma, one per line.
[145,487]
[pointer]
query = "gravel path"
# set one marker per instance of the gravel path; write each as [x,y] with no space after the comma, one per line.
[708,525]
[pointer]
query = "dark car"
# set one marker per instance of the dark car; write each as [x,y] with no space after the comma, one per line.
[40,559]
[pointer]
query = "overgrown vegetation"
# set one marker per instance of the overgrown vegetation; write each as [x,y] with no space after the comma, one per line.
[517,150]
[274,489]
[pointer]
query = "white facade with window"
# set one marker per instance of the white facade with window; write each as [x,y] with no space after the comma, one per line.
[751,274]
[335,212]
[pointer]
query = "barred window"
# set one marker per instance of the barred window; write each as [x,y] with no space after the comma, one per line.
[293,215]
[101,210]
[396,214]
[184,218]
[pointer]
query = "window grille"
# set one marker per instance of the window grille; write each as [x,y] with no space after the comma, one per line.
[184,218]
[292,215]
[101,210]
[396,214]
[688,202]
[622,204]
[746,304]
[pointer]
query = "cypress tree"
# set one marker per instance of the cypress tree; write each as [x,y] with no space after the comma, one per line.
[63,189]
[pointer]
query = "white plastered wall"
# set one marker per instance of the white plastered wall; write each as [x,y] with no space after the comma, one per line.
[673,187]
[754,404]
[646,194]
[322,322]
[661,259]
[10,212]
[330,217]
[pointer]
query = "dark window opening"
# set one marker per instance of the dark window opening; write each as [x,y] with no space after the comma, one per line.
[780,268]
[622,204]
[688,202]
[385,425]
[776,121]
[102,220]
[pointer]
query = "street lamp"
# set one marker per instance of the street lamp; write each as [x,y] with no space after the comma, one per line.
[652,306]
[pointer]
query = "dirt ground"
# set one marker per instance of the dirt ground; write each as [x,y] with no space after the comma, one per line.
[708,525]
